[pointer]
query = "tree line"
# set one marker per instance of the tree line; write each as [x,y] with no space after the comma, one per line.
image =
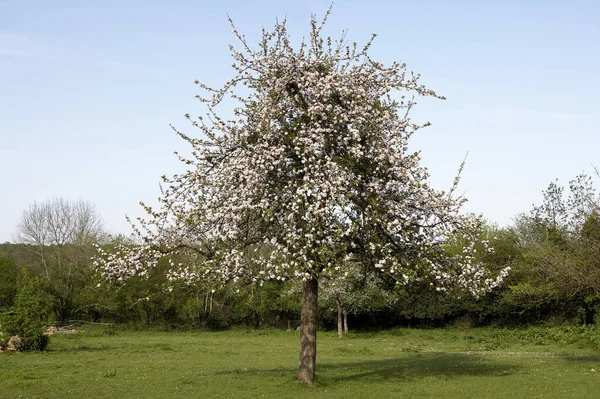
[553,252]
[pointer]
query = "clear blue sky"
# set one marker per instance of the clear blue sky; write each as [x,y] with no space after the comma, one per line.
[88,89]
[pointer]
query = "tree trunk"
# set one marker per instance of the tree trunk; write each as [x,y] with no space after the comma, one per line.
[308,331]
[340,321]
[345,321]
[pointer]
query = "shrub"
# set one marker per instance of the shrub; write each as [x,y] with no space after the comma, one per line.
[29,315]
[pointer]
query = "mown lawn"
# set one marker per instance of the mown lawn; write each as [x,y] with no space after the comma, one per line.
[409,363]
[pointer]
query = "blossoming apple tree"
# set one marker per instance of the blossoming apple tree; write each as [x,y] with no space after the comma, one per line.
[312,171]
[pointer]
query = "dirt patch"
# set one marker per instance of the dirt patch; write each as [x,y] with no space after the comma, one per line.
[61,330]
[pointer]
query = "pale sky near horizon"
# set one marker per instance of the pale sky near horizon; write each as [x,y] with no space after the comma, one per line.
[88,90]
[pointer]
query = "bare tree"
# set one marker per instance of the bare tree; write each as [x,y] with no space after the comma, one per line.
[60,233]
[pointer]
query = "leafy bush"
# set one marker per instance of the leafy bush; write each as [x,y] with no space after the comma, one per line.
[28,317]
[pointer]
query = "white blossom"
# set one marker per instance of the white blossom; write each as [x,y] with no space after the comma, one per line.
[313,171]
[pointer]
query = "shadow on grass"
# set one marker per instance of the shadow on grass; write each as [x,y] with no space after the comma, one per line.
[581,358]
[86,348]
[441,365]
[445,365]
[132,348]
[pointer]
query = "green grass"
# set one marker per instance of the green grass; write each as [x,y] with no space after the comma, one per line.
[410,363]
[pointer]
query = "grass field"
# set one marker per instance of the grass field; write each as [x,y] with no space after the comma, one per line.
[409,363]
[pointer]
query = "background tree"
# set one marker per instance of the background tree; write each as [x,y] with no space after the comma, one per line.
[60,234]
[8,280]
[558,274]
[355,291]
[314,172]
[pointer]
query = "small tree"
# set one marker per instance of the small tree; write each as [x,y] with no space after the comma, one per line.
[313,172]
[354,291]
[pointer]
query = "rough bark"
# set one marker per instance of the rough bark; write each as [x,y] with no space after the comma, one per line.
[308,331]
[339,318]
